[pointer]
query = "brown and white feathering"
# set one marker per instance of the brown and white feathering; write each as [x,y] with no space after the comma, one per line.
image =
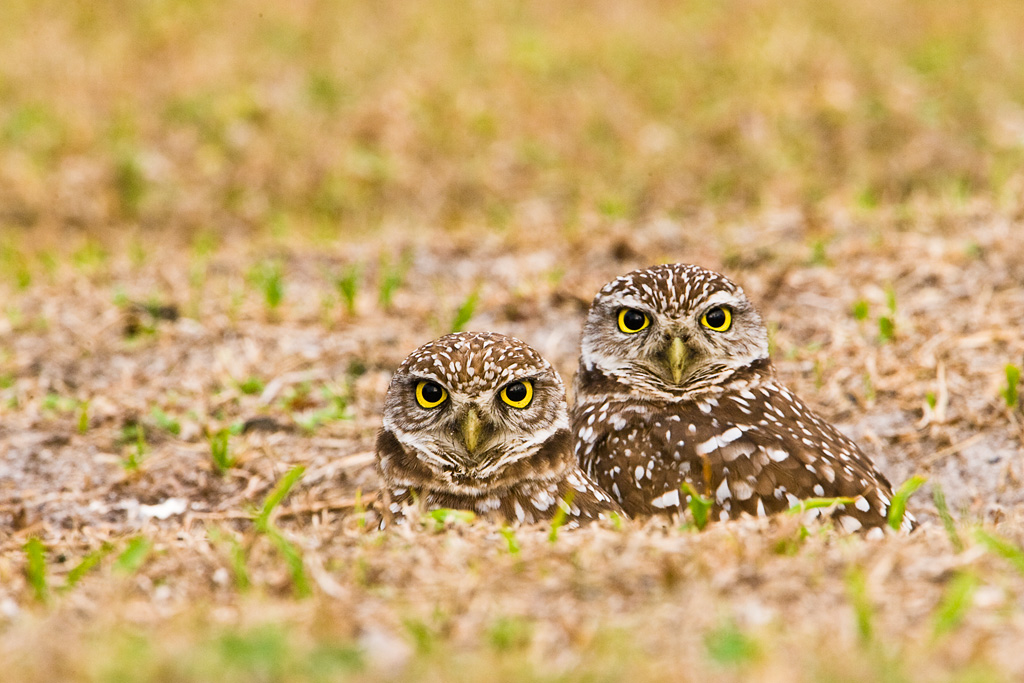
[675,385]
[478,421]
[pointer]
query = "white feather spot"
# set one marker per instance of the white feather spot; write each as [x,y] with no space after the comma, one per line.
[666,499]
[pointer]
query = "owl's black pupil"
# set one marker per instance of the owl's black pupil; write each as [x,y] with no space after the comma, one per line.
[432,392]
[633,319]
[516,391]
[716,317]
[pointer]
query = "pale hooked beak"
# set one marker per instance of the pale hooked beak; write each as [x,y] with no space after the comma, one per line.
[472,429]
[676,357]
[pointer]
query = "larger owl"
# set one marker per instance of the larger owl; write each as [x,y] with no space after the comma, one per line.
[478,421]
[675,385]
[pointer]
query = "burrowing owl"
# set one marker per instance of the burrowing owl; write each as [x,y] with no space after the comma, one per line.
[478,421]
[675,385]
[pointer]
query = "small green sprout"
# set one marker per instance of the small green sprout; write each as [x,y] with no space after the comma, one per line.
[251,386]
[509,633]
[347,284]
[558,521]
[277,494]
[165,421]
[444,516]
[819,503]
[336,409]
[264,525]
[465,311]
[898,508]
[861,309]
[886,329]
[887,323]
[83,417]
[729,646]
[137,453]
[1005,548]
[134,556]
[698,505]
[890,298]
[236,555]
[269,277]
[947,519]
[35,568]
[864,612]
[391,279]
[85,566]
[220,450]
[1010,392]
[957,599]
[510,538]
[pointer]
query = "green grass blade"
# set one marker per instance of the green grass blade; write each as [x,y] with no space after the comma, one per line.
[1003,547]
[444,515]
[510,538]
[220,450]
[947,519]
[956,601]
[276,495]
[85,566]
[293,558]
[558,521]
[134,556]
[698,505]
[899,500]
[819,503]
[35,568]
[465,311]
[236,555]
[1010,392]
[864,612]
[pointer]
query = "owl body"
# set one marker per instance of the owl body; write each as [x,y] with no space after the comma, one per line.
[478,421]
[675,385]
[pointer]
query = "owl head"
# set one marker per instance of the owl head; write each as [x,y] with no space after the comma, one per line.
[671,331]
[471,411]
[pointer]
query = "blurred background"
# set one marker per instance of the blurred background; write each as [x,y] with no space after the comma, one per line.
[339,119]
[224,224]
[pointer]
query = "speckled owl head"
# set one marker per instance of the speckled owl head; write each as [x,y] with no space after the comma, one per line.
[468,406]
[671,330]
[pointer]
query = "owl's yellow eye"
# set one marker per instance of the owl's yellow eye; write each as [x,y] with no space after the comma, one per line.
[430,394]
[718,319]
[518,394]
[632,321]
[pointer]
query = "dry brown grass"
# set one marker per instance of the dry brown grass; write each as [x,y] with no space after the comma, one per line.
[164,168]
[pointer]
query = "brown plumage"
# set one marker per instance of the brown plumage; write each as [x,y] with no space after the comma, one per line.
[478,421]
[675,385]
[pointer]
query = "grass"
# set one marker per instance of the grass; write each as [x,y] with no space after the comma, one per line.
[948,523]
[465,311]
[955,603]
[898,506]
[133,556]
[347,284]
[1003,547]
[698,505]
[35,569]
[220,450]
[558,521]
[318,187]
[1010,392]
[289,552]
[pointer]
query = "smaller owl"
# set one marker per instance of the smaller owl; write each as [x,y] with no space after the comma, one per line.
[675,388]
[478,421]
